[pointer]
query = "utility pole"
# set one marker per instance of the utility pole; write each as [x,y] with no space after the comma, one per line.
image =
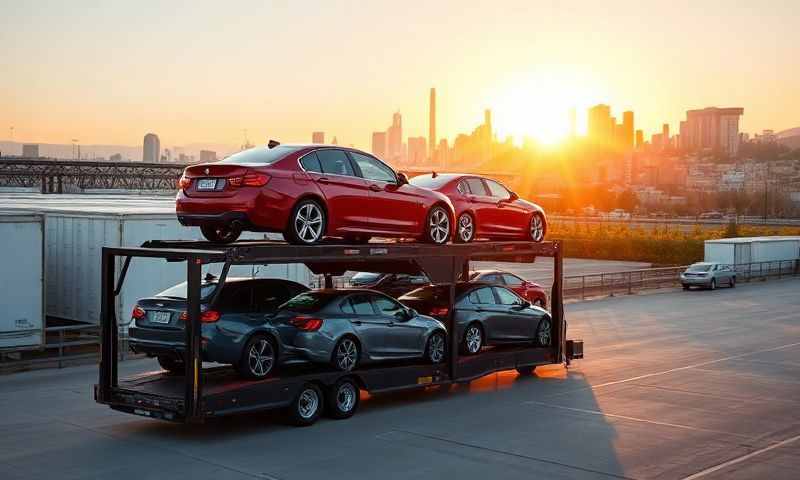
[766,192]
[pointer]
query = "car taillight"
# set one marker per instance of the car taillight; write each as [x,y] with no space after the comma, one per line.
[439,311]
[208,316]
[306,324]
[184,182]
[138,312]
[251,179]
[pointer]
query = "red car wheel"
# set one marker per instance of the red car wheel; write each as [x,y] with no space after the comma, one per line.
[538,227]
[437,229]
[307,223]
[466,228]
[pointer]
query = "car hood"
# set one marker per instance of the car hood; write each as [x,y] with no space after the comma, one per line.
[530,205]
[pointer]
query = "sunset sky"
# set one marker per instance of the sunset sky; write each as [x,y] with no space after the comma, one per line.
[110,71]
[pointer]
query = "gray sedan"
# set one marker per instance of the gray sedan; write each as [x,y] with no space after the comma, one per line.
[346,328]
[708,275]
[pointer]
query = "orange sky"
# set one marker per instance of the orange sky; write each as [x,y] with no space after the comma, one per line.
[108,72]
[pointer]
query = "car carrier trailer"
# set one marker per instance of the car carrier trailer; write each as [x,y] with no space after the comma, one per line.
[217,391]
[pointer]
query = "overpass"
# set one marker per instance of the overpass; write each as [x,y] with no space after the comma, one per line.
[58,176]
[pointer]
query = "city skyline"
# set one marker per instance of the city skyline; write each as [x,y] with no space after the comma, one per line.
[529,63]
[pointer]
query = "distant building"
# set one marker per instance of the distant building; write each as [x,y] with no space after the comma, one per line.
[318,137]
[713,129]
[395,139]
[30,150]
[600,126]
[117,157]
[639,138]
[207,156]
[379,144]
[417,150]
[432,125]
[627,130]
[443,153]
[151,151]
[665,135]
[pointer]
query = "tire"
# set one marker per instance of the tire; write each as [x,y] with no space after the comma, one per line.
[538,227]
[259,358]
[526,371]
[544,334]
[472,342]
[437,226]
[465,228]
[171,365]
[436,347]
[220,233]
[713,285]
[538,302]
[686,287]
[307,406]
[342,399]
[733,282]
[346,354]
[307,223]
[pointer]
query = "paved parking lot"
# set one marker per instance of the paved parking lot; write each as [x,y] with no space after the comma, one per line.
[675,385]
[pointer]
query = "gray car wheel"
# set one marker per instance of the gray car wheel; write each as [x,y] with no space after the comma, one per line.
[345,354]
[733,282]
[713,284]
[435,348]
[543,333]
[473,339]
[258,357]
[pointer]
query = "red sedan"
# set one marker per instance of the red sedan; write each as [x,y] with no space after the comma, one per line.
[532,292]
[308,192]
[485,208]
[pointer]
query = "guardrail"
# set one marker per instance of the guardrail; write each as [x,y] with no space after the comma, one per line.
[62,344]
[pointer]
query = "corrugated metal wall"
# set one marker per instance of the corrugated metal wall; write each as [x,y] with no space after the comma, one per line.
[21,282]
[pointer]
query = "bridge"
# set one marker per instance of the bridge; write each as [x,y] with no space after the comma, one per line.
[59,176]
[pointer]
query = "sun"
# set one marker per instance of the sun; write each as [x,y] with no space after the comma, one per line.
[536,106]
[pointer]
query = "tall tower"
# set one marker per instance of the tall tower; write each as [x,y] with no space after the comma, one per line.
[151,151]
[627,128]
[432,126]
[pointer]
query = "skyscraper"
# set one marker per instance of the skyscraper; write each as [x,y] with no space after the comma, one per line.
[627,129]
[318,137]
[599,125]
[151,151]
[665,135]
[379,144]
[714,129]
[639,138]
[432,126]
[395,139]
[417,150]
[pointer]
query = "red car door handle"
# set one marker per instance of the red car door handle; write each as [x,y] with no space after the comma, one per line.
[375,188]
[323,180]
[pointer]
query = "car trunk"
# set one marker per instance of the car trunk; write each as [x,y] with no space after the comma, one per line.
[211,180]
[162,313]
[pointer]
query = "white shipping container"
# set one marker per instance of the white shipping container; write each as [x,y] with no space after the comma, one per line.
[738,251]
[22,281]
[74,243]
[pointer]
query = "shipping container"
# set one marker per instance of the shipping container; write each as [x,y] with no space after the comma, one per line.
[22,281]
[739,251]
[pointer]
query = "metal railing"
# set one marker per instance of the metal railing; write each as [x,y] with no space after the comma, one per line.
[62,344]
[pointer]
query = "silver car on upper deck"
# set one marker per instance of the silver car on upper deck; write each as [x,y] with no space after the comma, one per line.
[708,275]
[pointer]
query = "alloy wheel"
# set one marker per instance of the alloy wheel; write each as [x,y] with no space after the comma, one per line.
[474,339]
[436,348]
[308,403]
[261,358]
[537,228]
[466,228]
[308,223]
[543,333]
[439,225]
[346,397]
[346,355]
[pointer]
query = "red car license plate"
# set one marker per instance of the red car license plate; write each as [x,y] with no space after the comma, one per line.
[207,184]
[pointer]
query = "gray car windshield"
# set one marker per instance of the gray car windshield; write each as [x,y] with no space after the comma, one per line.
[179,291]
[699,268]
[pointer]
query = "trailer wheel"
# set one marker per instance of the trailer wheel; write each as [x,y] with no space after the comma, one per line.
[306,407]
[171,365]
[342,399]
[526,371]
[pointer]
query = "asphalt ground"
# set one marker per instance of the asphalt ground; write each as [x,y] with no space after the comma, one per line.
[699,384]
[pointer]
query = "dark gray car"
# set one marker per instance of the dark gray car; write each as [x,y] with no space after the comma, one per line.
[346,328]
[485,315]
